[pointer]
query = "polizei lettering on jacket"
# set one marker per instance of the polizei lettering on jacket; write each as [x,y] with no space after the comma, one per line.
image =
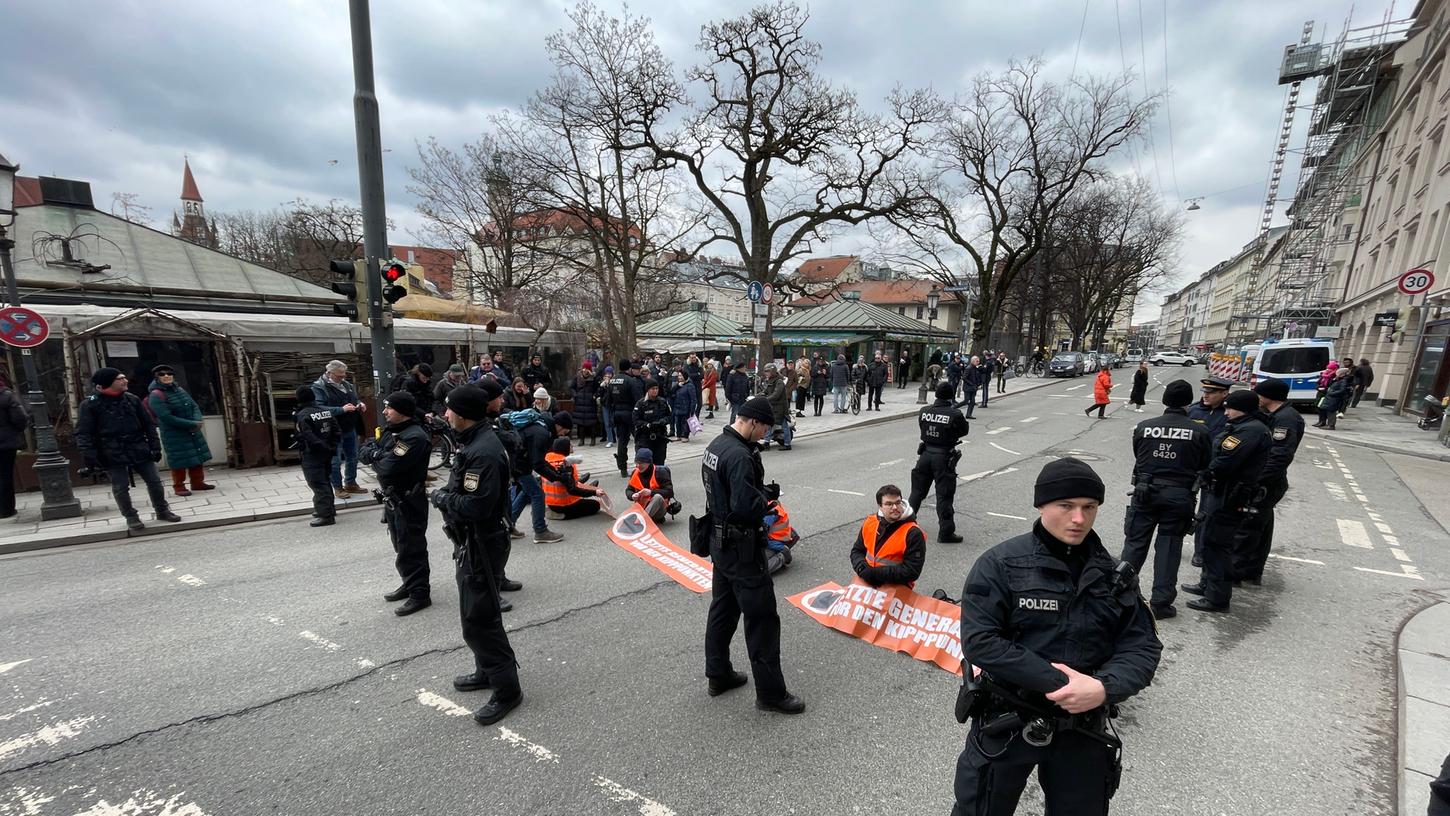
[1039,604]
[944,419]
[1167,433]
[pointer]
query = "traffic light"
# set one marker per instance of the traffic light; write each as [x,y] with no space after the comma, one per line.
[394,282]
[346,284]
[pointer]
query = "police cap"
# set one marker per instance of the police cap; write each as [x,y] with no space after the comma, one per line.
[1216,384]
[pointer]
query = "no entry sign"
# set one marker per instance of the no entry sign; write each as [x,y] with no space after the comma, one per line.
[22,327]
[1417,281]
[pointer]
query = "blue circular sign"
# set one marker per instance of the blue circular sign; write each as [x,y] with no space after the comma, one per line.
[754,291]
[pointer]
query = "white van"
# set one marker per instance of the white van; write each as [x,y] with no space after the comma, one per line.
[1298,361]
[1134,355]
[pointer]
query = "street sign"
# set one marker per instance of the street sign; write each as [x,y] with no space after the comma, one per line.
[762,309]
[965,287]
[760,324]
[1416,281]
[1387,319]
[754,291]
[767,294]
[22,327]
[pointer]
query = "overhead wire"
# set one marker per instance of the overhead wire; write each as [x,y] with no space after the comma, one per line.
[1168,106]
[1147,91]
[1123,56]
[1080,29]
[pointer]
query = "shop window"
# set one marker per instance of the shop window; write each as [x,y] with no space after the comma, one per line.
[193,361]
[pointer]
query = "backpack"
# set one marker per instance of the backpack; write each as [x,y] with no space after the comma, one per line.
[508,429]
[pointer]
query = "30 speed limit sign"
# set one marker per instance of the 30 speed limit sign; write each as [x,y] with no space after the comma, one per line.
[1417,281]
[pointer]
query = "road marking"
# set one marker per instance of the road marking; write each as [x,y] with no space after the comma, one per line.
[5,667]
[49,735]
[1392,540]
[892,462]
[1384,528]
[442,703]
[320,641]
[976,476]
[1336,491]
[1298,560]
[1029,419]
[1353,534]
[145,802]
[1004,515]
[1004,471]
[17,712]
[1004,450]
[364,663]
[165,569]
[191,580]
[274,620]
[996,431]
[1410,572]
[1399,554]
[619,793]
[845,492]
[539,752]
[1076,387]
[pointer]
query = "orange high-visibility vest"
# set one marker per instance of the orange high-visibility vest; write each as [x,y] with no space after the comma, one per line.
[780,530]
[555,493]
[636,484]
[892,550]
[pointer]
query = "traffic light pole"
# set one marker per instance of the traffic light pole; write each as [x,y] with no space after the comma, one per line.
[370,179]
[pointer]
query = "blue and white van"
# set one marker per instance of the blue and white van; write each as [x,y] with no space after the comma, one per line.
[1298,361]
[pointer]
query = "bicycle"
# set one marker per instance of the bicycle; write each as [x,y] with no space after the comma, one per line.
[855,401]
[444,444]
[1038,367]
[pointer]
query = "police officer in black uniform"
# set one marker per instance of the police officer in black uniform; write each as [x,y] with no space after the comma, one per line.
[1169,451]
[317,435]
[1208,412]
[1063,637]
[475,507]
[1230,490]
[1286,429]
[652,419]
[400,459]
[942,428]
[623,392]
[737,502]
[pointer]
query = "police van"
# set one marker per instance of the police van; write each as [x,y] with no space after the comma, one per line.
[1297,361]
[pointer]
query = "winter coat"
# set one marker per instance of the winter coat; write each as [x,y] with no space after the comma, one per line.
[1363,376]
[586,401]
[877,374]
[1101,386]
[13,421]
[737,388]
[954,373]
[1336,396]
[514,401]
[778,393]
[707,386]
[1328,376]
[859,373]
[179,420]
[695,374]
[684,399]
[333,396]
[973,379]
[1139,394]
[441,390]
[115,431]
[536,376]
[803,375]
[820,380]
[840,374]
[422,391]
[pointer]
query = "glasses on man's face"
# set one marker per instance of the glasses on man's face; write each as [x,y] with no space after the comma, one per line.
[166,374]
[897,503]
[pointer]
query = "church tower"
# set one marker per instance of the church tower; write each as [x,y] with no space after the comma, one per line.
[192,224]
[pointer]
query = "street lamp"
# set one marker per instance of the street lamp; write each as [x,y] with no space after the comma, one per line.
[933,299]
[51,469]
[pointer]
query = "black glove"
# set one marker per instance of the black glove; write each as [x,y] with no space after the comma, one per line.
[93,462]
[156,457]
[439,498]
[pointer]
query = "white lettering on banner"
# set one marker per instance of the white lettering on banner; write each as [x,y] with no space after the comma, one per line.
[1167,433]
[1040,604]
[648,546]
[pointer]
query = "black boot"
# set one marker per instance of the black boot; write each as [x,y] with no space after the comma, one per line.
[471,682]
[396,595]
[412,605]
[497,708]
[720,685]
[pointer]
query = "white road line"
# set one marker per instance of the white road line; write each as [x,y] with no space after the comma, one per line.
[165,569]
[1415,574]
[17,712]
[1004,450]
[845,492]
[1004,515]
[319,641]
[539,752]
[1297,560]
[1005,471]
[1392,540]
[996,431]
[1399,554]
[1076,387]
[145,802]
[442,703]
[5,667]
[1353,534]
[49,735]
[364,663]
[892,462]
[191,580]
[1029,419]
[619,793]
[1384,528]
[976,476]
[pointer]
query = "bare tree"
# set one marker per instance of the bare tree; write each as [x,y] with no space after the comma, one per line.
[1007,156]
[300,239]
[130,208]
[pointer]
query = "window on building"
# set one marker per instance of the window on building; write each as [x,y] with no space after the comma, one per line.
[920,311]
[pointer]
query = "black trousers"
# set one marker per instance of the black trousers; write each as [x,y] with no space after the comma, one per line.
[658,444]
[1073,770]
[408,529]
[317,470]
[969,400]
[7,483]
[818,401]
[1256,537]
[1219,528]
[743,587]
[1169,510]
[800,400]
[937,469]
[623,425]
[482,619]
[120,476]
[873,396]
[579,509]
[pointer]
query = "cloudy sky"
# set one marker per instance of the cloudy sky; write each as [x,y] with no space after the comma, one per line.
[259,94]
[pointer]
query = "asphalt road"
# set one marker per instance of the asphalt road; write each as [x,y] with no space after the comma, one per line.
[256,669]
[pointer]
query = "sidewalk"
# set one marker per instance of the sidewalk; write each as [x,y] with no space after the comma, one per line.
[1383,430]
[1424,703]
[258,494]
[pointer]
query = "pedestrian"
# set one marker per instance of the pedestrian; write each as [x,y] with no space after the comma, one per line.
[1363,379]
[452,378]
[624,392]
[890,547]
[652,416]
[710,384]
[399,457]
[335,393]
[1169,451]
[859,373]
[1231,481]
[606,408]
[178,419]
[942,427]
[1440,791]
[820,385]
[987,366]
[1101,386]
[903,368]
[802,384]
[535,374]
[840,381]
[957,374]
[1000,367]
[778,394]
[1286,429]
[13,422]
[879,372]
[971,379]
[487,368]
[568,497]
[1334,399]
[585,395]
[695,373]
[1045,614]
[474,507]
[318,433]
[115,432]
[1325,378]
[735,509]
[417,381]
[651,487]
[543,403]
[506,372]
[537,436]
[684,404]
[1138,397]
[519,397]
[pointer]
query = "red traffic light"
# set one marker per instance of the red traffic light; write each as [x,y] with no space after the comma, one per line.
[394,272]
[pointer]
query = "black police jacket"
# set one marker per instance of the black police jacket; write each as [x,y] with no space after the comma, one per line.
[737,388]
[1286,429]
[734,481]
[652,418]
[538,439]
[318,430]
[1021,613]
[1212,419]
[942,426]
[1171,448]
[400,456]
[116,430]
[624,391]
[476,500]
[1238,459]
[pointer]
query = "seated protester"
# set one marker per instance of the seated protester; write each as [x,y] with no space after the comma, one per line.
[569,498]
[650,487]
[780,536]
[891,548]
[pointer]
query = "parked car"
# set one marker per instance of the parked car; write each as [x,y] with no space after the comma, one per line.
[1089,363]
[1172,358]
[1134,356]
[1107,359]
[1066,364]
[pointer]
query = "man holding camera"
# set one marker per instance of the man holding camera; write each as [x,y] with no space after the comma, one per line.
[400,459]
[1050,621]
[116,434]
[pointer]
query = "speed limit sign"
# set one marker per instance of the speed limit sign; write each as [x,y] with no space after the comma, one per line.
[1416,281]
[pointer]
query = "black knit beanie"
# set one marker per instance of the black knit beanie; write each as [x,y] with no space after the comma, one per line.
[1067,478]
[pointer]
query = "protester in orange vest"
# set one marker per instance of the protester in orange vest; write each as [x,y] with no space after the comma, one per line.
[568,499]
[650,487]
[780,536]
[891,548]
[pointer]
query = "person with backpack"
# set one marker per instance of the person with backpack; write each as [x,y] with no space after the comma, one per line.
[179,419]
[537,436]
[13,422]
[114,432]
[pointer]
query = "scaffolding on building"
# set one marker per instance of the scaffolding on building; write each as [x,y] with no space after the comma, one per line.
[1291,292]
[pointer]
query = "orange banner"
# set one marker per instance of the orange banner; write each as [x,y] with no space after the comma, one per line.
[892,617]
[636,532]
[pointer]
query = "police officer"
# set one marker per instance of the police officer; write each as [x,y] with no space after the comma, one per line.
[1169,451]
[1230,484]
[318,434]
[1286,428]
[475,508]
[1048,619]
[652,417]
[736,506]
[400,459]
[942,427]
[623,392]
[1208,412]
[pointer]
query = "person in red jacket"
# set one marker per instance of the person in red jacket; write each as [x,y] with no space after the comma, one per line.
[890,548]
[1101,387]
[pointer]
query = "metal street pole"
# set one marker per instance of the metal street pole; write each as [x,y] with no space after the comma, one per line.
[370,181]
[52,469]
